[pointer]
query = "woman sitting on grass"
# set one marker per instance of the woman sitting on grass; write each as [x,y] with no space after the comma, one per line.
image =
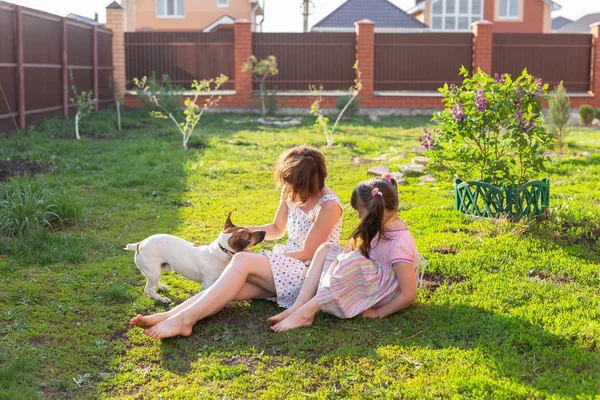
[377,279]
[309,212]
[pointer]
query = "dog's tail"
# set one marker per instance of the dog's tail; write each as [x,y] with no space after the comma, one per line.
[132,247]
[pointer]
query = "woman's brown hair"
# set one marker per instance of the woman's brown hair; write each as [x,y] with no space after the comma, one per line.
[302,171]
[375,196]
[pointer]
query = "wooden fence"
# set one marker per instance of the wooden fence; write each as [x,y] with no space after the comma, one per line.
[420,61]
[555,58]
[184,56]
[37,50]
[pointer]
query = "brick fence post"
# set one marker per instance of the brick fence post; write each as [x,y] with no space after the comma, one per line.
[365,55]
[595,68]
[242,50]
[482,46]
[115,21]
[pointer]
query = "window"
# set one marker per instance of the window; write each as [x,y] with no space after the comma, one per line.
[223,3]
[508,9]
[169,8]
[455,15]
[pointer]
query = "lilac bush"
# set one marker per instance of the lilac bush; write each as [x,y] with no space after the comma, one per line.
[491,129]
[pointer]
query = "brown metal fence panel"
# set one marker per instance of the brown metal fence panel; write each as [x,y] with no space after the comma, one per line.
[41,92]
[183,56]
[8,69]
[308,59]
[554,58]
[420,61]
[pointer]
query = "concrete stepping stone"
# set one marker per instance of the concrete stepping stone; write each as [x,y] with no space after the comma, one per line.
[427,178]
[420,160]
[379,170]
[411,168]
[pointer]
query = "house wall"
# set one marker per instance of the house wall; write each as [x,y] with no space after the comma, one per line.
[197,15]
[537,17]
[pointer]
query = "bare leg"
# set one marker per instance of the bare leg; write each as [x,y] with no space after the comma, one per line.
[248,291]
[303,316]
[251,267]
[310,284]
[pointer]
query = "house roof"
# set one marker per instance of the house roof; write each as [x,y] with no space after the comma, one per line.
[582,25]
[81,18]
[559,22]
[420,6]
[383,13]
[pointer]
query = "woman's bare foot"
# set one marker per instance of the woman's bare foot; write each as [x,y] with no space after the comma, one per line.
[172,326]
[282,315]
[148,321]
[303,316]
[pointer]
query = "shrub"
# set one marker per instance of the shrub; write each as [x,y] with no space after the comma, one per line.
[587,114]
[84,101]
[192,112]
[353,105]
[322,122]
[165,93]
[492,129]
[560,114]
[598,113]
[261,70]
[25,205]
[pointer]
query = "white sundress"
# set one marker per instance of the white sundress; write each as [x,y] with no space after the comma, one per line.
[288,273]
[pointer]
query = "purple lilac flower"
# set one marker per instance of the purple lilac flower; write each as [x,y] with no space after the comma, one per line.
[519,113]
[539,87]
[500,79]
[480,101]
[427,141]
[530,125]
[458,112]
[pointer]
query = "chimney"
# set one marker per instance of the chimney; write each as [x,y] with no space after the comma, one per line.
[96,17]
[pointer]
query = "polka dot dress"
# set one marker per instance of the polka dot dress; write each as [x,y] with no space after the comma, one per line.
[288,272]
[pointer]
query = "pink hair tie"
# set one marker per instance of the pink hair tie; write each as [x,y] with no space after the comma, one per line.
[376,192]
[387,177]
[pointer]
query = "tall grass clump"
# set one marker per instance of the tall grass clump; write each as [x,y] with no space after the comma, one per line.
[26,205]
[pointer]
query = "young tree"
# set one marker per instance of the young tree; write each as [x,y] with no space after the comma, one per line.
[322,122]
[84,101]
[192,112]
[261,70]
[560,114]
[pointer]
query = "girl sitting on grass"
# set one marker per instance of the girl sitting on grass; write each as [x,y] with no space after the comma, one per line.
[309,212]
[377,278]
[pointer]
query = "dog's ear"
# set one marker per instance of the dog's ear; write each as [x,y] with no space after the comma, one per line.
[228,223]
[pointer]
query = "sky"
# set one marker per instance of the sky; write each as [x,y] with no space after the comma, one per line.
[280,15]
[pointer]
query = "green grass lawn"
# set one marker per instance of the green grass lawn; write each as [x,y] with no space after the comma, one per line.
[507,310]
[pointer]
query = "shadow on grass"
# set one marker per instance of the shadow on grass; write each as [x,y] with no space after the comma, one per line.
[516,348]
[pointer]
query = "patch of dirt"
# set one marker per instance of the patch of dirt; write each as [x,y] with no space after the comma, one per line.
[548,276]
[434,281]
[250,362]
[19,167]
[445,250]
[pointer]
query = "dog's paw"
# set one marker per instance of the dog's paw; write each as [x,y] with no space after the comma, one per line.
[166,300]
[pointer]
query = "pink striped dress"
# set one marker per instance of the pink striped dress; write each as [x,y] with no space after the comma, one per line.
[351,283]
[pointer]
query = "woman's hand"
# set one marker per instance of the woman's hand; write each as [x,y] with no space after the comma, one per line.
[370,313]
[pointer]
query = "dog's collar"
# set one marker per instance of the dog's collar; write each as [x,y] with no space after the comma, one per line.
[228,252]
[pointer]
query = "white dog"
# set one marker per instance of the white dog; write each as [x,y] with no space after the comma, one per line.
[203,264]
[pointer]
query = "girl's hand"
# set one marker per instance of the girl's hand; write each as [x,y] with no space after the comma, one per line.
[370,313]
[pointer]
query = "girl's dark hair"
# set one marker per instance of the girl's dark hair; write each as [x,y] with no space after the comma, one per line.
[375,206]
[302,171]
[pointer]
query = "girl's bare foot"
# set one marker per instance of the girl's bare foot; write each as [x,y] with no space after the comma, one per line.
[282,315]
[303,316]
[148,321]
[172,326]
